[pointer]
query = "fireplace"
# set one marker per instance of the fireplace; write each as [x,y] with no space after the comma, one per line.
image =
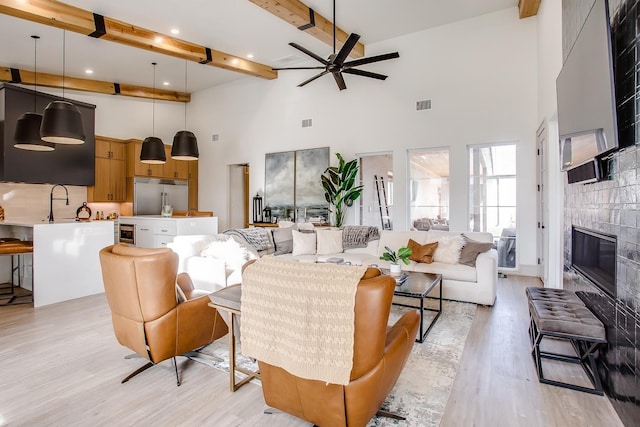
[594,255]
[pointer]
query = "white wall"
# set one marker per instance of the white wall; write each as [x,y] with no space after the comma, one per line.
[481,75]
[549,65]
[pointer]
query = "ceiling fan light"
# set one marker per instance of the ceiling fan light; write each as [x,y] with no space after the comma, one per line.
[152,151]
[27,134]
[185,146]
[62,124]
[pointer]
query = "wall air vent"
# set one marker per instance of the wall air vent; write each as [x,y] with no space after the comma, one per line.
[306,123]
[215,137]
[423,105]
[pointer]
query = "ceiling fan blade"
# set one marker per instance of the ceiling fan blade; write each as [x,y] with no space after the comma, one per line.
[313,78]
[346,49]
[340,80]
[299,68]
[369,60]
[364,73]
[308,52]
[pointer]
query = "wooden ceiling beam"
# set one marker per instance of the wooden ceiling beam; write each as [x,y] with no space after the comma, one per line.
[71,18]
[299,15]
[27,77]
[528,8]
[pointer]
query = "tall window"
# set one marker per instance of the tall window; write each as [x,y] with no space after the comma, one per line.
[492,196]
[429,189]
[376,202]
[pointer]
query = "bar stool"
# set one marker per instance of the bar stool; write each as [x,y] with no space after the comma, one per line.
[15,248]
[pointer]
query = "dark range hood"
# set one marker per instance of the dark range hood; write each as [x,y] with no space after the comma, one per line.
[67,164]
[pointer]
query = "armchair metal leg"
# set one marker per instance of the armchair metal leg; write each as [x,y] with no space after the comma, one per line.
[136,372]
[175,367]
[387,414]
[270,411]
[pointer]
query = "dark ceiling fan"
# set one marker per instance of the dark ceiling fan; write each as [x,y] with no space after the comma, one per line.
[336,64]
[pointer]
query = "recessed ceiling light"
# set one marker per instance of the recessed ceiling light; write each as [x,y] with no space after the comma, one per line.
[88,71]
[175,31]
[250,55]
[166,83]
[158,39]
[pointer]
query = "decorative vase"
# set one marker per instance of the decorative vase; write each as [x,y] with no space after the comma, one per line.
[395,269]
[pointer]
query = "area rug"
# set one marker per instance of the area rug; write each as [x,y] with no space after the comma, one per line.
[423,388]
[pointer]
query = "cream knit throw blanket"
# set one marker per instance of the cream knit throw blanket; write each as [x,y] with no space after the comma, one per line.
[300,317]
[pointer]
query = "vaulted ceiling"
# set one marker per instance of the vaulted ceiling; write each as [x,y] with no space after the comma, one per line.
[230,29]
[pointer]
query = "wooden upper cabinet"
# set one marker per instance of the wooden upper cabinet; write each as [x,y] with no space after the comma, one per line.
[193,184]
[175,169]
[110,180]
[135,167]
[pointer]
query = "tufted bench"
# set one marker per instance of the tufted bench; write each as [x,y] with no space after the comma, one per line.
[561,314]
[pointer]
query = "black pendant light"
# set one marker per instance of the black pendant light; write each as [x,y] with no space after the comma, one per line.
[62,121]
[152,151]
[27,135]
[185,144]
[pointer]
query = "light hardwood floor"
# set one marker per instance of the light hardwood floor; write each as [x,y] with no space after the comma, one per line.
[61,365]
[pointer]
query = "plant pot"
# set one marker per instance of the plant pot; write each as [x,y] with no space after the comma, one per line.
[395,269]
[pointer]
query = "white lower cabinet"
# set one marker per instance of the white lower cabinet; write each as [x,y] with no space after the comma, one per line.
[157,231]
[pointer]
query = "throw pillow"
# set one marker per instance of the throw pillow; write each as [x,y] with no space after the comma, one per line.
[471,250]
[303,243]
[329,241]
[448,250]
[422,253]
[228,250]
[283,240]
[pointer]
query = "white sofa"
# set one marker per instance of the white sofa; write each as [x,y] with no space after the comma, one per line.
[460,282]
[210,273]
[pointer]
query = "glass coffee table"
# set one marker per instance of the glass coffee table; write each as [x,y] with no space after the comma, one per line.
[418,285]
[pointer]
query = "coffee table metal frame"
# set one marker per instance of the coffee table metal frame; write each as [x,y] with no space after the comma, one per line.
[233,368]
[419,288]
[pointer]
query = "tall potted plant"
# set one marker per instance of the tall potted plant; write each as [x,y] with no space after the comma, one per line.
[340,189]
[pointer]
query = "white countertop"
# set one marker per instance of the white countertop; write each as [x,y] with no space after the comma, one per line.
[32,222]
[160,217]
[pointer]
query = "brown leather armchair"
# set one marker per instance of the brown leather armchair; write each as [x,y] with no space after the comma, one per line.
[140,286]
[380,353]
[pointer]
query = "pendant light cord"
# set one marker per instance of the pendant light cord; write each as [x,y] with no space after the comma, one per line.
[185,91]
[153,102]
[35,70]
[64,44]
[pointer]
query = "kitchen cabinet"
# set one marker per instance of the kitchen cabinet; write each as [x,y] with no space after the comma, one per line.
[154,231]
[193,184]
[176,169]
[109,185]
[135,167]
[145,236]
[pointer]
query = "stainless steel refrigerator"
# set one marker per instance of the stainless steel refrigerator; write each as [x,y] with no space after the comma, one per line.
[151,193]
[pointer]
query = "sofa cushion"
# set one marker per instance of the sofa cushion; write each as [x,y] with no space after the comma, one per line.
[471,250]
[371,249]
[303,243]
[396,239]
[329,241]
[283,240]
[448,250]
[460,272]
[422,253]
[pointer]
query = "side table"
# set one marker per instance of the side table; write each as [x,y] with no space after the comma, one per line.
[228,300]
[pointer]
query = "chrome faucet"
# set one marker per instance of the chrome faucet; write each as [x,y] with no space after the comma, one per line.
[51,199]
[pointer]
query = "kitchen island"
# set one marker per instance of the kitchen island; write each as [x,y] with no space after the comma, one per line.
[155,231]
[65,257]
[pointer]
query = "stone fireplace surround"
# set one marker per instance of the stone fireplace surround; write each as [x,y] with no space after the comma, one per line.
[612,206]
